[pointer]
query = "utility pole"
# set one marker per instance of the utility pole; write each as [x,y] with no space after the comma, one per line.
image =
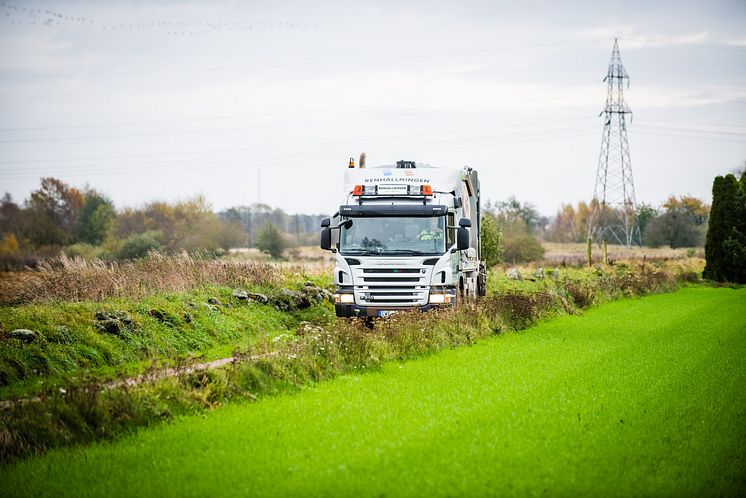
[613,215]
[259,185]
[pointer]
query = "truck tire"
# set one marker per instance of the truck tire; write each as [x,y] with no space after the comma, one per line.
[460,294]
[482,280]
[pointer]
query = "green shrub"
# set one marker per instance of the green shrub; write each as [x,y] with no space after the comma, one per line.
[725,248]
[270,241]
[675,229]
[522,248]
[85,251]
[138,246]
[96,219]
[492,250]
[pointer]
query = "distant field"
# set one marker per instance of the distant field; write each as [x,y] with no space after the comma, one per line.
[636,397]
[572,253]
[312,259]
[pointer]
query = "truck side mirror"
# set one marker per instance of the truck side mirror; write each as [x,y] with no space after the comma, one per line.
[464,222]
[325,222]
[462,238]
[326,238]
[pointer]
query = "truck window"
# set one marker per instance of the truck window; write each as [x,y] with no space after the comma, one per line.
[394,236]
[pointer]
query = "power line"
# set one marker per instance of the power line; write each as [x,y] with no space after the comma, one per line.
[341,61]
[246,162]
[151,160]
[513,132]
[350,112]
[662,43]
[232,128]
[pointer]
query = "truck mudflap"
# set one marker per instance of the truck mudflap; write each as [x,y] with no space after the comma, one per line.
[353,310]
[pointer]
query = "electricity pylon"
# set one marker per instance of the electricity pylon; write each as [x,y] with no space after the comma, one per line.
[613,209]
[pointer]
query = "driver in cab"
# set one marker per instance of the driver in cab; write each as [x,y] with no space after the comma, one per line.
[431,233]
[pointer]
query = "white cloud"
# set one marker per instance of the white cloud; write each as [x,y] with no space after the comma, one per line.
[632,39]
[736,42]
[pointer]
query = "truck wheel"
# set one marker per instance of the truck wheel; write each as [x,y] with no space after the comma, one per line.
[482,281]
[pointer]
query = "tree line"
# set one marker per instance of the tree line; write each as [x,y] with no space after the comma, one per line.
[84,222]
[512,231]
[679,222]
[57,217]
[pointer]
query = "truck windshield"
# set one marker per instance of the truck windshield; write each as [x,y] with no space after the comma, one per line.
[393,236]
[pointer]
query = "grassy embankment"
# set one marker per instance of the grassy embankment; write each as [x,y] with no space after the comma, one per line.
[637,397]
[178,307]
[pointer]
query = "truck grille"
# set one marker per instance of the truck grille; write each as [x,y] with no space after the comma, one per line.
[389,287]
[390,279]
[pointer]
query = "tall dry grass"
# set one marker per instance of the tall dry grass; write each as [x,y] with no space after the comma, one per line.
[75,279]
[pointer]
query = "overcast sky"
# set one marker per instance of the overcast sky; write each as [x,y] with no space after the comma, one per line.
[266,100]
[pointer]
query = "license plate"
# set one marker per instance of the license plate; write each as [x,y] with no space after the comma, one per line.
[385,313]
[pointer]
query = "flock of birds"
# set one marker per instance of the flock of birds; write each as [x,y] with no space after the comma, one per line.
[20,15]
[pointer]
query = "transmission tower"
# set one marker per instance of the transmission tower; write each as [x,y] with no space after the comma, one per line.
[613,209]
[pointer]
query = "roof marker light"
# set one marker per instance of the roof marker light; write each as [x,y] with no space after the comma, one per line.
[351,164]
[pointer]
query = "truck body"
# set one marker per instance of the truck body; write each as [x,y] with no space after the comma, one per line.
[406,236]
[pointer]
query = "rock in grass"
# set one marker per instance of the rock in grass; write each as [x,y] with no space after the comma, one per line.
[62,335]
[282,306]
[111,327]
[157,314]
[240,294]
[187,318]
[313,293]
[210,307]
[114,322]
[310,294]
[513,274]
[120,315]
[294,299]
[328,295]
[24,335]
[259,298]
[214,301]
[164,317]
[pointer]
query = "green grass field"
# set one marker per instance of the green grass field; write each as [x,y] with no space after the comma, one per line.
[636,397]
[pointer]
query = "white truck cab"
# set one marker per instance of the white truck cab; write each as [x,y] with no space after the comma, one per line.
[407,236]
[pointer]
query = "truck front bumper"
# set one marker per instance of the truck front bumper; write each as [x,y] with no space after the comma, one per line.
[353,310]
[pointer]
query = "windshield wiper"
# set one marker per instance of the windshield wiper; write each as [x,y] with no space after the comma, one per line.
[358,252]
[405,251]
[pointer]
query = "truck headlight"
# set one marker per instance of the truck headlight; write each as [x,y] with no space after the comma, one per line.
[440,298]
[344,298]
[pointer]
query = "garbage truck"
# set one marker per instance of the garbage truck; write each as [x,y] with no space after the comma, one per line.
[406,236]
